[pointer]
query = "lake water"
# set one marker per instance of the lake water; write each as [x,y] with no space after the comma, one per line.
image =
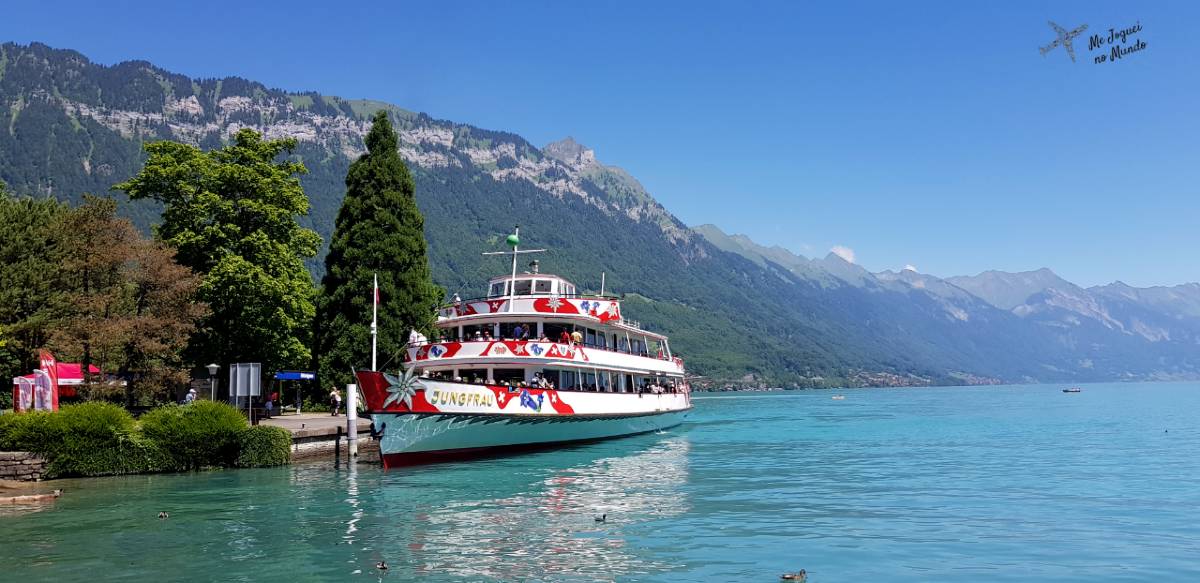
[1020,483]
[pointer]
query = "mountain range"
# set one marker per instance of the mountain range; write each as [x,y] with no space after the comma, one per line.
[738,311]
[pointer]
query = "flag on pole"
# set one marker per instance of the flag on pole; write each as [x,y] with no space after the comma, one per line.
[47,397]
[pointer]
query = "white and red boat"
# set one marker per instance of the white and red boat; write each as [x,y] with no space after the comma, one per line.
[533,364]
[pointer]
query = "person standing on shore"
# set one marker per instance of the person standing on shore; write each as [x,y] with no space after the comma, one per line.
[335,400]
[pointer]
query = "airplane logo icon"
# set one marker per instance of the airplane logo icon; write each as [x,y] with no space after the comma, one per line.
[1064,39]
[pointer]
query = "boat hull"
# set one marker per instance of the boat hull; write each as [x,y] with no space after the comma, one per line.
[419,438]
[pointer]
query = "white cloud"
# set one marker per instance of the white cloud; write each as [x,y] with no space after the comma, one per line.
[910,267]
[843,252]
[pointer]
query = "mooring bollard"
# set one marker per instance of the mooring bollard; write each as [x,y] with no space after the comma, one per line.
[352,423]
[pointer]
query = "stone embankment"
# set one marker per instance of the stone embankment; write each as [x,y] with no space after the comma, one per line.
[21,466]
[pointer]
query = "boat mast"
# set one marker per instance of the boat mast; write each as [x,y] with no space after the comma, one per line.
[514,240]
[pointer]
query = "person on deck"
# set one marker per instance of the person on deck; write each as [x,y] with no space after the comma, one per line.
[517,332]
[335,400]
[576,337]
[564,338]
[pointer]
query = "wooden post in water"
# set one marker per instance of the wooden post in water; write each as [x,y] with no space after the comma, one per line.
[337,448]
[352,423]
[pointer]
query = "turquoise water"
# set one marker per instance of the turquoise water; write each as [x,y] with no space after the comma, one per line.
[950,484]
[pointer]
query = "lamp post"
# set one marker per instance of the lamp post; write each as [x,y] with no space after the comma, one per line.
[212,380]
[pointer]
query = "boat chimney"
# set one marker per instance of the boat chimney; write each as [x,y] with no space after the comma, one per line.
[533,266]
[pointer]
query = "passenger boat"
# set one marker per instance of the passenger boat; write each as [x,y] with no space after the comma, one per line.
[1073,390]
[533,364]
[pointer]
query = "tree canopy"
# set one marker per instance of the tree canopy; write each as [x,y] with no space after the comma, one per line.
[126,305]
[231,214]
[379,230]
[29,258]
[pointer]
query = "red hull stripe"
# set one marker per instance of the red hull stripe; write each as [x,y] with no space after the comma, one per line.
[418,458]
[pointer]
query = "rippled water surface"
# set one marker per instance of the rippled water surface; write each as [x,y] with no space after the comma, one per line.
[951,484]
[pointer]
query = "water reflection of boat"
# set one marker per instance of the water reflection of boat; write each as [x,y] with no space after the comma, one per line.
[1073,390]
[548,530]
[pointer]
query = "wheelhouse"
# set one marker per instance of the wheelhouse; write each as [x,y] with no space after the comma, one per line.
[530,284]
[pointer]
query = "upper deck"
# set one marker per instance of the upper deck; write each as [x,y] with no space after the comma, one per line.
[539,295]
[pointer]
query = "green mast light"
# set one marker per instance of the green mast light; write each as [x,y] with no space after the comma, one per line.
[513,240]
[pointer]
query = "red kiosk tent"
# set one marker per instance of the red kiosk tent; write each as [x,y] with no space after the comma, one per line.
[42,389]
[70,375]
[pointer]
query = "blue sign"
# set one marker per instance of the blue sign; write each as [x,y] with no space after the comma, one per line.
[291,375]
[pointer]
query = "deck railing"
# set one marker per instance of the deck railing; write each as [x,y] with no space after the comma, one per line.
[592,345]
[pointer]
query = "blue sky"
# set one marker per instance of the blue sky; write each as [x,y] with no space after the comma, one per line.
[924,133]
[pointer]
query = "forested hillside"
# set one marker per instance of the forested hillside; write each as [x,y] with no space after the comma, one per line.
[69,126]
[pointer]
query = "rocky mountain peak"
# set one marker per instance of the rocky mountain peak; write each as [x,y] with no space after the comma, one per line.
[568,151]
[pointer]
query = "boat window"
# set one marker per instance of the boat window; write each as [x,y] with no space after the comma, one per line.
[512,375]
[589,337]
[499,289]
[588,381]
[603,382]
[628,387]
[477,332]
[568,380]
[508,329]
[472,375]
[637,347]
[568,290]
[522,287]
[541,286]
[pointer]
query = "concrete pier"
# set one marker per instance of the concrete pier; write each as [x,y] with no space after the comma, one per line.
[314,435]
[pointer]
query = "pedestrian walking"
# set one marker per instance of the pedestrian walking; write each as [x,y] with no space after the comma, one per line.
[335,400]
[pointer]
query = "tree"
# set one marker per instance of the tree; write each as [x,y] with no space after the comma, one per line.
[29,268]
[231,214]
[379,229]
[127,306]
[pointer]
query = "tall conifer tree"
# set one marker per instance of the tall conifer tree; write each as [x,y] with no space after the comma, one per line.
[379,229]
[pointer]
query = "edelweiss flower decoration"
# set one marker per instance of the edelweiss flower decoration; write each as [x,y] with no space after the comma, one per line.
[402,388]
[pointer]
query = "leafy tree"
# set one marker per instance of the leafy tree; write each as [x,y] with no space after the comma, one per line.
[127,306]
[379,229]
[29,268]
[231,214]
